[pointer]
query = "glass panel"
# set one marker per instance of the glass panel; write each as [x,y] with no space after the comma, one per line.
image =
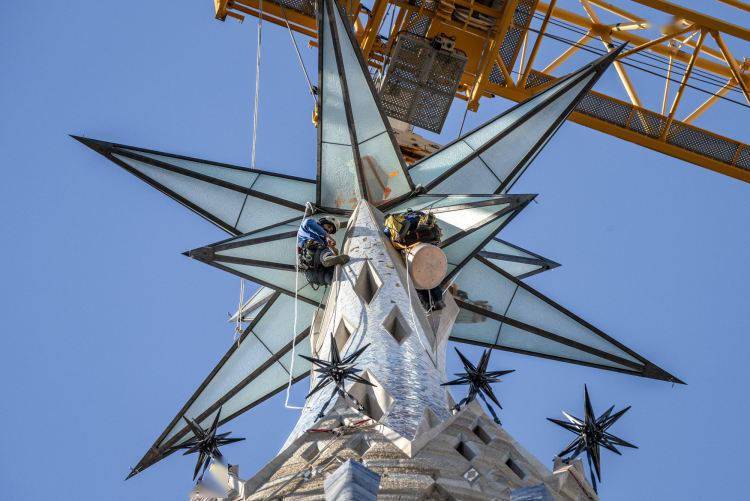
[273,378]
[339,186]
[436,164]
[457,220]
[499,247]
[275,328]
[248,357]
[514,268]
[286,189]
[259,213]
[516,338]
[489,131]
[381,166]
[474,177]
[532,310]
[484,284]
[367,119]
[484,287]
[235,176]
[426,202]
[282,251]
[280,279]
[486,331]
[333,118]
[503,156]
[464,247]
[222,203]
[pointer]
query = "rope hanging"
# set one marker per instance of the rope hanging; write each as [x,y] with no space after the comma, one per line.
[308,210]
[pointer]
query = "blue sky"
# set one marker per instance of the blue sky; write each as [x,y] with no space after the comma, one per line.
[108,328]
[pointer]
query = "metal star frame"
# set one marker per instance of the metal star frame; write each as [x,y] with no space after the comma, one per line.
[592,433]
[479,381]
[337,371]
[466,185]
[206,443]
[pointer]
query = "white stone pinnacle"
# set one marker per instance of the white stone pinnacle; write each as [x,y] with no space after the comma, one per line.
[373,301]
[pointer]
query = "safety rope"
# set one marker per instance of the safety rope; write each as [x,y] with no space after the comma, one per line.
[256,101]
[299,56]
[257,83]
[308,209]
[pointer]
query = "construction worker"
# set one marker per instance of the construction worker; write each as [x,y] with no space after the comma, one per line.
[412,228]
[316,250]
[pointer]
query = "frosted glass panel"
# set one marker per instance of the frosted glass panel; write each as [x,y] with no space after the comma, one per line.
[427,202]
[531,310]
[382,170]
[516,338]
[339,187]
[468,245]
[503,156]
[514,268]
[222,203]
[485,287]
[235,176]
[467,217]
[273,378]
[439,162]
[286,189]
[282,251]
[333,118]
[499,247]
[279,279]
[367,119]
[259,213]
[486,331]
[474,177]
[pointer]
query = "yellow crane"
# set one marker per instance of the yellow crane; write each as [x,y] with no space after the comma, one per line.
[426,53]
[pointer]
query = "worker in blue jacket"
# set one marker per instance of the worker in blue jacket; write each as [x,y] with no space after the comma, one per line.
[316,250]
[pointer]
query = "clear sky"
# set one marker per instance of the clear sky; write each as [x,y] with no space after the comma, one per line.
[108,328]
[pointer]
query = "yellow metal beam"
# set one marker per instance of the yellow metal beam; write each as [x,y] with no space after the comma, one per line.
[656,41]
[617,11]
[704,20]
[619,68]
[736,71]
[683,84]
[737,3]
[537,44]
[568,52]
[631,37]
[379,9]
[700,110]
[490,53]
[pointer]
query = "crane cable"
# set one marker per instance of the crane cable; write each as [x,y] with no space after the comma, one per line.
[310,86]
[256,101]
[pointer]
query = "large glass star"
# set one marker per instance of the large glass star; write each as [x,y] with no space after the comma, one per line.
[465,185]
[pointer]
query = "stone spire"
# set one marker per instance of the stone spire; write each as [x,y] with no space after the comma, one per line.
[373,301]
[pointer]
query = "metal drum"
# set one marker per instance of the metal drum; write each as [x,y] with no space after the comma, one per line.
[427,265]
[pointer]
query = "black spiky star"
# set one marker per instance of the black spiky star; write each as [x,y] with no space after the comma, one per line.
[592,433]
[479,381]
[206,443]
[337,371]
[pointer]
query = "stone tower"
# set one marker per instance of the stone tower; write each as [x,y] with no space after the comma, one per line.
[406,435]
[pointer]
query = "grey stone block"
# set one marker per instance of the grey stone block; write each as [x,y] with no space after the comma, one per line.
[352,481]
